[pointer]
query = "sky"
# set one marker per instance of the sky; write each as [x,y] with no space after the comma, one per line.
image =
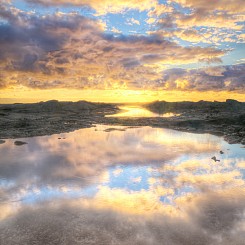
[122,50]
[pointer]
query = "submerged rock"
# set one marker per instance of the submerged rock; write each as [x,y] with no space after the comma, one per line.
[18,142]
[114,129]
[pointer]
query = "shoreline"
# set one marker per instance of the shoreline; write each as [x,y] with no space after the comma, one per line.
[53,117]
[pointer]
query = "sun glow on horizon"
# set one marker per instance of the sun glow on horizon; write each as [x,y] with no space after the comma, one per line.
[121,51]
[26,95]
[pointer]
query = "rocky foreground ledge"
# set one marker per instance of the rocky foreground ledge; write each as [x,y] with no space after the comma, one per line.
[45,118]
[51,117]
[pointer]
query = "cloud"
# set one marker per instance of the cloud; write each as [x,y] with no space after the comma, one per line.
[160,9]
[218,78]
[132,21]
[187,34]
[70,51]
[101,6]
[115,30]
[202,18]
[236,6]
[211,22]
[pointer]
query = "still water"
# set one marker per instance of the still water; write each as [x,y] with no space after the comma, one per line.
[121,185]
[139,111]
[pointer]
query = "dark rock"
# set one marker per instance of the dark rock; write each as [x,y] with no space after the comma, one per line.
[18,142]
[2,142]
[114,129]
[22,123]
[215,159]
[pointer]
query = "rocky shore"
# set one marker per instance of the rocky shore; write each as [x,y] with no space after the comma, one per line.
[51,117]
[225,119]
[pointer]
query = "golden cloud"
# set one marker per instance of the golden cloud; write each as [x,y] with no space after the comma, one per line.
[71,51]
[101,6]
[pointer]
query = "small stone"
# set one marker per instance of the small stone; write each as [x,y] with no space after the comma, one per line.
[215,159]
[2,142]
[221,152]
[18,142]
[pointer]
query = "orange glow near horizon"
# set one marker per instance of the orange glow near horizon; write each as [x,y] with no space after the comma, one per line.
[148,53]
[26,95]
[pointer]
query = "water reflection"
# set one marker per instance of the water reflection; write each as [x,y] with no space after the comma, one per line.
[98,182]
[139,111]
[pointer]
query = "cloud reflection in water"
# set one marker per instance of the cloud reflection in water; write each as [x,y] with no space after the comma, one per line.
[139,186]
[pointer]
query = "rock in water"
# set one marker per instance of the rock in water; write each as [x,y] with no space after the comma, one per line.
[18,142]
[215,159]
[2,142]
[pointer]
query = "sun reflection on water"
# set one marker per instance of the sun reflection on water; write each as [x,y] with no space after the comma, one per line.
[139,111]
